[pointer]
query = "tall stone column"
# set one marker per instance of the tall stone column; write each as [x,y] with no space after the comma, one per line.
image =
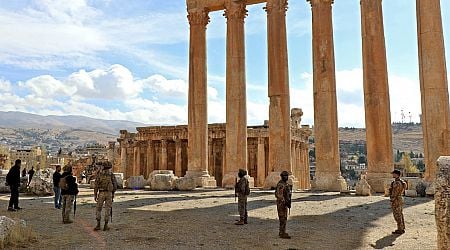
[236,125]
[279,107]
[136,164]
[261,162]
[178,169]
[376,96]
[197,100]
[123,158]
[328,175]
[150,158]
[163,155]
[433,84]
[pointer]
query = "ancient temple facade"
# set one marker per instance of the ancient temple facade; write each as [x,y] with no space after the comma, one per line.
[166,148]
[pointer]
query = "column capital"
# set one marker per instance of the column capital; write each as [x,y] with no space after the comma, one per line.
[280,6]
[317,2]
[164,143]
[235,10]
[198,16]
[150,143]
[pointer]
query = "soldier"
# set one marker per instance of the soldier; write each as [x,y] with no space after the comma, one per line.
[105,187]
[396,190]
[242,189]
[283,194]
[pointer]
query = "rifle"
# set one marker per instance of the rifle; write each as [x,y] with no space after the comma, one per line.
[110,211]
[290,199]
[74,205]
[235,186]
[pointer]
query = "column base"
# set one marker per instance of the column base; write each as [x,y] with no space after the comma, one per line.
[229,180]
[274,177]
[201,179]
[379,181]
[326,181]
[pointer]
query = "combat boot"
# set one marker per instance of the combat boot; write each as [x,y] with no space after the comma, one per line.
[285,236]
[240,222]
[245,221]
[98,226]
[105,227]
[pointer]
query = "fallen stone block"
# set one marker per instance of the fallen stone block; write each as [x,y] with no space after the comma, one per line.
[363,188]
[162,181]
[442,202]
[136,182]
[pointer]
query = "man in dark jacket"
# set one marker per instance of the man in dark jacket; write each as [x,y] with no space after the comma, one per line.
[13,180]
[68,193]
[56,188]
[30,175]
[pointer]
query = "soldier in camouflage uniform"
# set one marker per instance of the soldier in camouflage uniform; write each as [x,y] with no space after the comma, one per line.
[396,190]
[242,190]
[105,186]
[283,194]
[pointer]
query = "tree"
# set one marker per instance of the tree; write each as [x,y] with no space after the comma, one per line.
[411,155]
[362,159]
[409,166]
[421,166]
[420,155]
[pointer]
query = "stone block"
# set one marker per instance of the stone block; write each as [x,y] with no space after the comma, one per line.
[3,187]
[20,229]
[421,188]
[328,182]
[136,182]
[40,186]
[442,202]
[412,182]
[410,193]
[162,180]
[363,188]
[119,180]
[185,184]
[430,189]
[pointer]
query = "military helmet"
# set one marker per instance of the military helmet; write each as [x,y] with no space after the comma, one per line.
[284,173]
[396,171]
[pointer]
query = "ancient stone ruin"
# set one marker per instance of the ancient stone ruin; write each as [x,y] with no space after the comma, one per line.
[442,202]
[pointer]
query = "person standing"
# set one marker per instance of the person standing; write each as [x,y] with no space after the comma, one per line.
[105,187]
[242,189]
[24,172]
[56,188]
[30,175]
[283,194]
[396,191]
[13,180]
[69,188]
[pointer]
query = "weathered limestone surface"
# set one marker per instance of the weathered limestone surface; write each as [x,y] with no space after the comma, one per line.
[279,104]
[330,181]
[40,186]
[442,202]
[274,177]
[376,95]
[433,84]
[162,180]
[421,189]
[185,184]
[3,187]
[411,193]
[119,180]
[325,103]
[363,188]
[236,107]
[7,226]
[136,182]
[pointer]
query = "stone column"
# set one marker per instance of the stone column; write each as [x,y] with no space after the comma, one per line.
[261,162]
[376,96]
[279,107]
[123,159]
[136,164]
[197,100]
[150,158]
[163,155]
[442,202]
[236,125]
[328,176]
[433,84]
[178,169]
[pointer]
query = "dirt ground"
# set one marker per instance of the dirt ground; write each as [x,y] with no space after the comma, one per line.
[204,219]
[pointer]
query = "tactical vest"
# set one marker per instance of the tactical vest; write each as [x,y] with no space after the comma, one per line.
[105,181]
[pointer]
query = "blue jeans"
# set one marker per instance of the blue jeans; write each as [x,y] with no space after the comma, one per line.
[58,197]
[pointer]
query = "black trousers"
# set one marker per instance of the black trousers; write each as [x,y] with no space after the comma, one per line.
[14,199]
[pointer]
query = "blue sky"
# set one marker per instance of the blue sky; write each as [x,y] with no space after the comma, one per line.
[128,59]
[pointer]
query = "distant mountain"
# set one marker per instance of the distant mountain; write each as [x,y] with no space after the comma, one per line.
[12,119]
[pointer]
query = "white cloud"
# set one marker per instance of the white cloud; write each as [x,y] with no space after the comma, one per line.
[5,86]
[47,86]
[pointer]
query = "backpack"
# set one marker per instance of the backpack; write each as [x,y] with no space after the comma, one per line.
[104,181]
[63,183]
[247,187]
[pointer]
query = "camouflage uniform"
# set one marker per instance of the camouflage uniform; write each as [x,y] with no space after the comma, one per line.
[105,186]
[395,193]
[242,189]
[283,194]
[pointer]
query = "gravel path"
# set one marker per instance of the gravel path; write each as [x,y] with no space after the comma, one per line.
[204,219]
